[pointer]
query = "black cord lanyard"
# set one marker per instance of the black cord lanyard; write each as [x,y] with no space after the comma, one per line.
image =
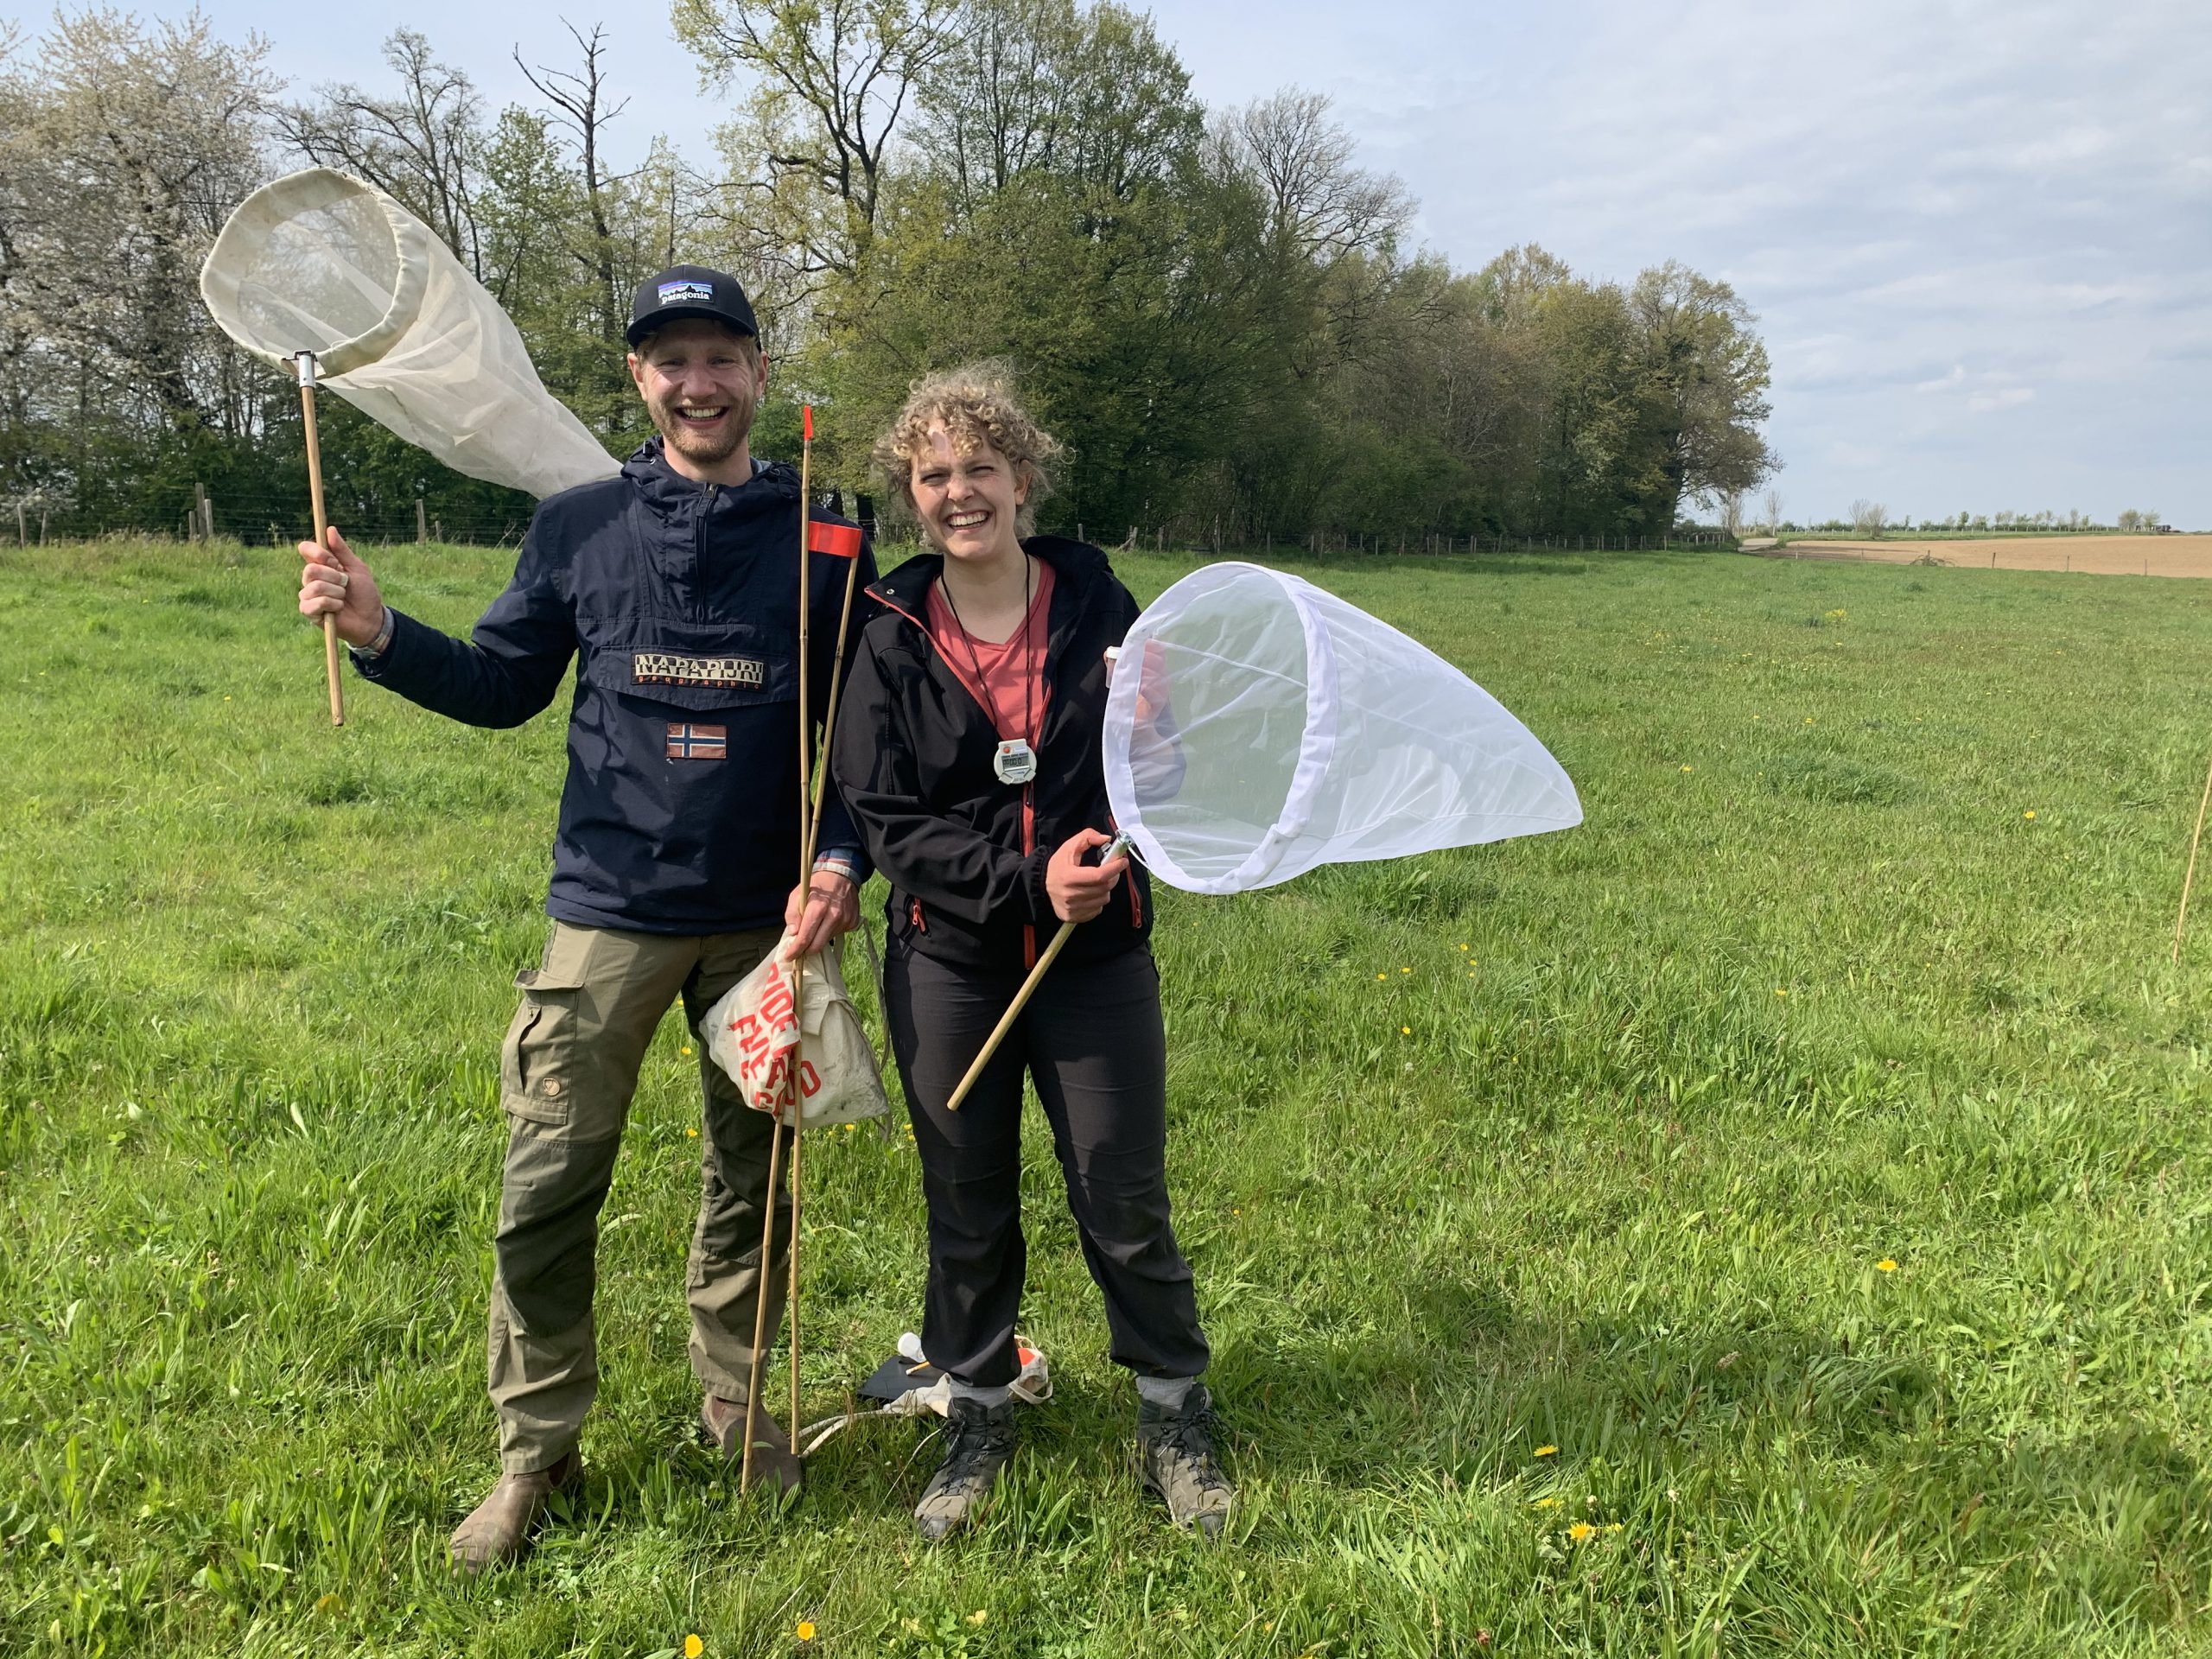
[1028,654]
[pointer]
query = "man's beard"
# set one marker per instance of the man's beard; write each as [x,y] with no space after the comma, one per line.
[704,448]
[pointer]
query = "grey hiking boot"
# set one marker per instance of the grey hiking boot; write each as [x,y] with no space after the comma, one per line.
[978,1440]
[721,1423]
[1175,1459]
[504,1525]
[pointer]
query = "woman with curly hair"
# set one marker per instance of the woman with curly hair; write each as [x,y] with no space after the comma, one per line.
[967,753]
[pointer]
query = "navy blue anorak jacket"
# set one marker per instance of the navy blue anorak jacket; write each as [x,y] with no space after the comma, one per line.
[679,602]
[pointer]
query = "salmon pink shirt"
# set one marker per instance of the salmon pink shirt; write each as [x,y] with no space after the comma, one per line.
[1012,686]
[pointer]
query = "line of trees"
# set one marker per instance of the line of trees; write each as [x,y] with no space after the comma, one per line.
[1218,310]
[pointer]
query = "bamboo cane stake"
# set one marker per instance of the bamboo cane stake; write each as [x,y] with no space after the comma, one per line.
[2189,875]
[1115,848]
[799,1007]
[829,716]
[805,875]
[760,1302]
[305,364]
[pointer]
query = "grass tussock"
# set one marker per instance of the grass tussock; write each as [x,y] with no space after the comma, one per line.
[1773,1219]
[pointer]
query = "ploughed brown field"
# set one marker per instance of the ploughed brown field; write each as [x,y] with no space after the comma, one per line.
[2113,556]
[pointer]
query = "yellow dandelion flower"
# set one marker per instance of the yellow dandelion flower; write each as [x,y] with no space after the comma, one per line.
[1778,991]
[806,1629]
[1462,947]
[1581,1531]
[979,1616]
[1382,975]
[693,1647]
[2030,813]
[1686,768]
[1809,720]
[1545,1504]
[1405,971]
[690,1135]
[1405,1030]
[686,1049]
[1887,1264]
[1547,1451]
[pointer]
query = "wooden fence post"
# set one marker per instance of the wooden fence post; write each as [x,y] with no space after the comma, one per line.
[22,533]
[421,524]
[199,511]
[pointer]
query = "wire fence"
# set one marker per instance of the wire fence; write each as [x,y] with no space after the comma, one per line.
[263,519]
[273,519]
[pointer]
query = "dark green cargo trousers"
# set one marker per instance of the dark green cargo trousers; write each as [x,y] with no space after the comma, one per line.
[568,1072]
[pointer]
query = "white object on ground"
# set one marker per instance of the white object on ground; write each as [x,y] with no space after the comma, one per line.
[320,261]
[1270,726]
[1032,1386]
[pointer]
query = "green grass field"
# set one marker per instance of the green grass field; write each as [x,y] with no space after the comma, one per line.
[1773,1219]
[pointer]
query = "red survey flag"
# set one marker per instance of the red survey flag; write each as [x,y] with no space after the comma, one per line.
[806,421]
[839,541]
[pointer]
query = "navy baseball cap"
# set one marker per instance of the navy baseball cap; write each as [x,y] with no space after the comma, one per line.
[682,292]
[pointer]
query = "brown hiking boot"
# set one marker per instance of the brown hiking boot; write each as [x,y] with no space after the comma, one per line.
[722,1423]
[500,1529]
[978,1440]
[1176,1460]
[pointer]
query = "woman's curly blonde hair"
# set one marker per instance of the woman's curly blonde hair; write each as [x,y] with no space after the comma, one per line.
[976,404]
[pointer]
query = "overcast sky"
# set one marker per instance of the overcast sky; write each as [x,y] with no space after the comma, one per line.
[1978,235]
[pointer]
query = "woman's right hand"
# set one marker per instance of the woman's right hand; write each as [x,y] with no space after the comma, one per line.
[1080,891]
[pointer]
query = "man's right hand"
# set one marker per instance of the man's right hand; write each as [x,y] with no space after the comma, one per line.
[1080,891]
[333,582]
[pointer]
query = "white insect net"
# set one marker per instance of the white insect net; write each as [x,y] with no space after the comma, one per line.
[1257,727]
[320,261]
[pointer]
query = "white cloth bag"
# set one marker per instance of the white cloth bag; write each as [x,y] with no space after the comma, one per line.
[752,1028]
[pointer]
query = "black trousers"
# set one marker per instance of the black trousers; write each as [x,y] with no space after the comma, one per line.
[1091,1037]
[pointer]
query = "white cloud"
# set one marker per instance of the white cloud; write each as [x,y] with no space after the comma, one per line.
[1940,212]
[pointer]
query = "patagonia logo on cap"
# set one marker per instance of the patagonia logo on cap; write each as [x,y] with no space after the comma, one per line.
[666,668]
[687,292]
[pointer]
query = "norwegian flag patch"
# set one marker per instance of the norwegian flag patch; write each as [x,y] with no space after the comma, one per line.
[689,741]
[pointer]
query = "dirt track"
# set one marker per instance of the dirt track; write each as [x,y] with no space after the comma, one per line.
[2111,556]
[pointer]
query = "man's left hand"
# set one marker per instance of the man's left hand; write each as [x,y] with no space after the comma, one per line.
[826,908]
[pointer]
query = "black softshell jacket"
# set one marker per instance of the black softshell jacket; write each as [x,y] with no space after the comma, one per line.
[965,853]
[679,602]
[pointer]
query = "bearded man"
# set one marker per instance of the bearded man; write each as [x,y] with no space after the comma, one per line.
[674,586]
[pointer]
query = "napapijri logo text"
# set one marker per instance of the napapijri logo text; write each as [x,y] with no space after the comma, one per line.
[664,668]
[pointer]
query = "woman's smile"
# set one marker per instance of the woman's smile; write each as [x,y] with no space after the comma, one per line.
[970,498]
